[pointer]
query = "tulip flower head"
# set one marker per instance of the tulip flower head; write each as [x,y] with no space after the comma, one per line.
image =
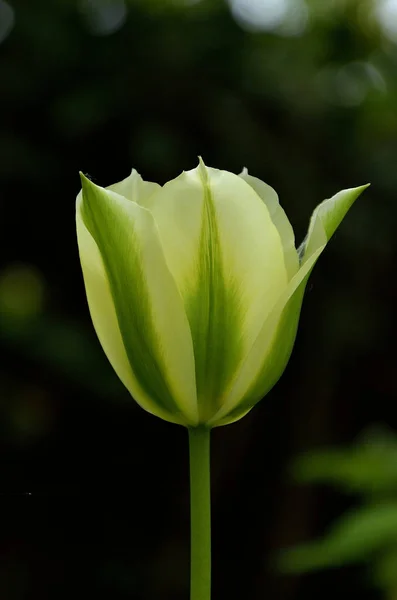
[195,287]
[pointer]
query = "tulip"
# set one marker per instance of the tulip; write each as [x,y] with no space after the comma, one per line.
[195,288]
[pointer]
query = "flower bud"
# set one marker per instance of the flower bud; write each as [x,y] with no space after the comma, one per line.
[195,288]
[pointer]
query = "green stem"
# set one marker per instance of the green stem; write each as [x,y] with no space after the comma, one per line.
[200,514]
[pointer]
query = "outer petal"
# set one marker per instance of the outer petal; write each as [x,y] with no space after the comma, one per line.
[326,218]
[105,321]
[227,259]
[279,218]
[127,281]
[135,188]
[270,353]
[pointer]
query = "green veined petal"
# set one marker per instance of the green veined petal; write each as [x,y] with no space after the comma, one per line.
[104,318]
[271,351]
[135,188]
[227,259]
[149,309]
[279,218]
[326,218]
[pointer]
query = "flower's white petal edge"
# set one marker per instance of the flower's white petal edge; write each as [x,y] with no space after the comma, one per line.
[147,305]
[271,351]
[227,259]
[279,218]
[135,188]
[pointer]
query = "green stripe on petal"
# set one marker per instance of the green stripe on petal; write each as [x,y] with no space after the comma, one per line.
[271,351]
[279,218]
[149,309]
[105,321]
[227,259]
[214,312]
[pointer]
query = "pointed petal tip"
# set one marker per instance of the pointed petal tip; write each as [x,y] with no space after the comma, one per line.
[134,172]
[202,170]
[360,188]
[201,165]
[85,181]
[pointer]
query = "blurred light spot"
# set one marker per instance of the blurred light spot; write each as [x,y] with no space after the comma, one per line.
[21,292]
[386,13]
[349,85]
[355,80]
[375,77]
[7,19]
[295,20]
[104,17]
[351,89]
[286,17]
[264,15]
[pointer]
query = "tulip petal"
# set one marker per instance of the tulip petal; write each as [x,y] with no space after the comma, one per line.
[135,188]
[326,218]
[227,259]
[271,351]
[279,218]
[105,321]
[128,281]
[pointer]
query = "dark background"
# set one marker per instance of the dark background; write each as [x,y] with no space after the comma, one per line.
[94,491]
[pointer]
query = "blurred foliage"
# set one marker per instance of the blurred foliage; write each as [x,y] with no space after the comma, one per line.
[369,467]
[303,93]
[368,532]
